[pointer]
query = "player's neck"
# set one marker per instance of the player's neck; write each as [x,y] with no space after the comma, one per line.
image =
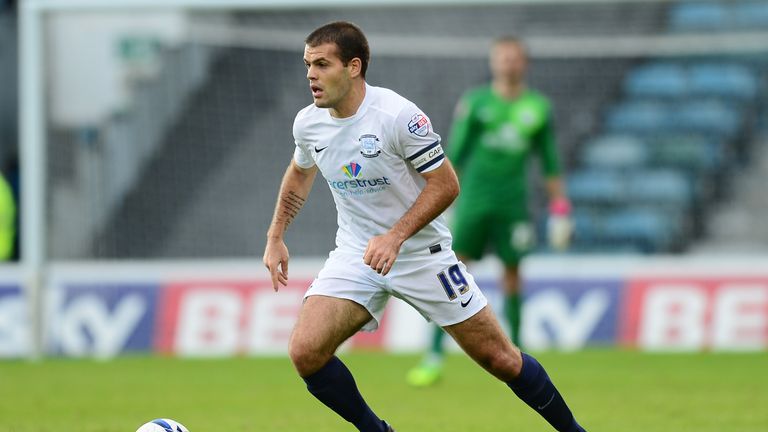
[508,89]
[348,106]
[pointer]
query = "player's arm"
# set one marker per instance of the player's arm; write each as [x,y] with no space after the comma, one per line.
[559,226]
[462,131]
[442,187]
[550,163]
[294,190]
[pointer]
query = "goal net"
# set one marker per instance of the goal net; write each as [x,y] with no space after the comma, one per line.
[164,132]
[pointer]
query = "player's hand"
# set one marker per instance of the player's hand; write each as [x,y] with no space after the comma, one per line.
[559,225]
[382,251]
[276,260]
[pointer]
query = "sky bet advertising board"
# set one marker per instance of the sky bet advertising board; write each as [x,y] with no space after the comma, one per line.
[15,337]
[212,309]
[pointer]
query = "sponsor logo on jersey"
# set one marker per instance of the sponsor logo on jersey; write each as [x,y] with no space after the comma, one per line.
[419,125]
[529,117]
[369,145]
[507,138]
[356,185]
[352,170]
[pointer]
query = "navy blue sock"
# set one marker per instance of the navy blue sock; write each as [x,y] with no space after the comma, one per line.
[535,388]
[334,386]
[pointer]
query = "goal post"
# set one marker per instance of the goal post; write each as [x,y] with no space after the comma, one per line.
[110,142]
[428,45]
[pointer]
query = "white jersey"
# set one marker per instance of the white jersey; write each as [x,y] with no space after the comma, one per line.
[371,161]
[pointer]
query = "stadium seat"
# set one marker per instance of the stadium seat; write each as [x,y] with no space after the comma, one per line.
[699,16]
[588,235]
[667,187]
[639,117]
[596,186]
[750,15]
[724,80]
[657,80]
[708,117]
[648,229]
[585,226]
[694,153]
[615,152]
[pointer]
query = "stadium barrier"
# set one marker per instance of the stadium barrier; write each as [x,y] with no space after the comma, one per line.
[229,308]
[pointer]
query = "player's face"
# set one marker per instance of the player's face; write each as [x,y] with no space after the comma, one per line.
[508,61]
[329,80]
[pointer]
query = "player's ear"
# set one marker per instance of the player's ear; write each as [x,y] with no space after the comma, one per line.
[355,67]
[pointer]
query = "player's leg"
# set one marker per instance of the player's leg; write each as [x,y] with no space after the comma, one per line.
[482,338]
[513,301]
[437,349]
[325,323]
[430,370]
[513,239]
[470,236]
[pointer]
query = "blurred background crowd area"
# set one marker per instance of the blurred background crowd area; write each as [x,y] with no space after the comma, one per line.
[167,133]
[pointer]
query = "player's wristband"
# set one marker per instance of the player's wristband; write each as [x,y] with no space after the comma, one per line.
[560,207]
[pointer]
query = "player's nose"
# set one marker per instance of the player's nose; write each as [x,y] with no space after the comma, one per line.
[311,75]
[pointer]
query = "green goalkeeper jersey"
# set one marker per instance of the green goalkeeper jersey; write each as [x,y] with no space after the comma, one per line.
[490,143]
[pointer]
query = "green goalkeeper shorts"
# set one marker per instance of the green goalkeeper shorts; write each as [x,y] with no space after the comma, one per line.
[510,236]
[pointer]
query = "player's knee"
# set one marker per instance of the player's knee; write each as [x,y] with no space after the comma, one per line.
[306,358]
[503,364]
[511,282]
[498,362]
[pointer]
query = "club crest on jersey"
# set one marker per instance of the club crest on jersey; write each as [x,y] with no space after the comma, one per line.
[369,145]
[419,125]
[352,170]
[528,117]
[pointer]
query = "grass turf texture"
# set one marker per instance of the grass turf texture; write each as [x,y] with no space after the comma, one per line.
[608,390]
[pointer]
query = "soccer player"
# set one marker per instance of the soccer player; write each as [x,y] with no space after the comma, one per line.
[496,130]
[390,182]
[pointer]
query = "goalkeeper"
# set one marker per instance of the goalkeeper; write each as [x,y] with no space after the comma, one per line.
[496,129]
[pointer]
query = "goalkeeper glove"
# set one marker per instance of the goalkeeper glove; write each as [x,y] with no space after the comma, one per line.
[559,225]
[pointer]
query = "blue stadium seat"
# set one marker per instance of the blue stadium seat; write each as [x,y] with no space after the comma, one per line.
[589,234]
[667,187]
[648,229]
[639,118]
[657,80]
[586,227]
[615,152]
[708,117]
[723,79]
[692,152]
[750,15]
[596,186]
[583,220]
[699,16]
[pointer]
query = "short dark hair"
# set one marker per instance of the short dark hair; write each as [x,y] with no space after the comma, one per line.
[511,39]
[348,38]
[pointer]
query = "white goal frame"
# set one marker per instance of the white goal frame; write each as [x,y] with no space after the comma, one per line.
[32,67]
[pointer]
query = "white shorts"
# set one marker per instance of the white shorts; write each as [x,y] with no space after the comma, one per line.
[437,285]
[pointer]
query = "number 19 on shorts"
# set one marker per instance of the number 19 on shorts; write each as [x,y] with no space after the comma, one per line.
[453,281]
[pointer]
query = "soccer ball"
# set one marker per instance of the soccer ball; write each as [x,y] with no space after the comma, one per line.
[162,425]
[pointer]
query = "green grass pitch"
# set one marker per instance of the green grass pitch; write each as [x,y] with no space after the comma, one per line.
[608,390]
